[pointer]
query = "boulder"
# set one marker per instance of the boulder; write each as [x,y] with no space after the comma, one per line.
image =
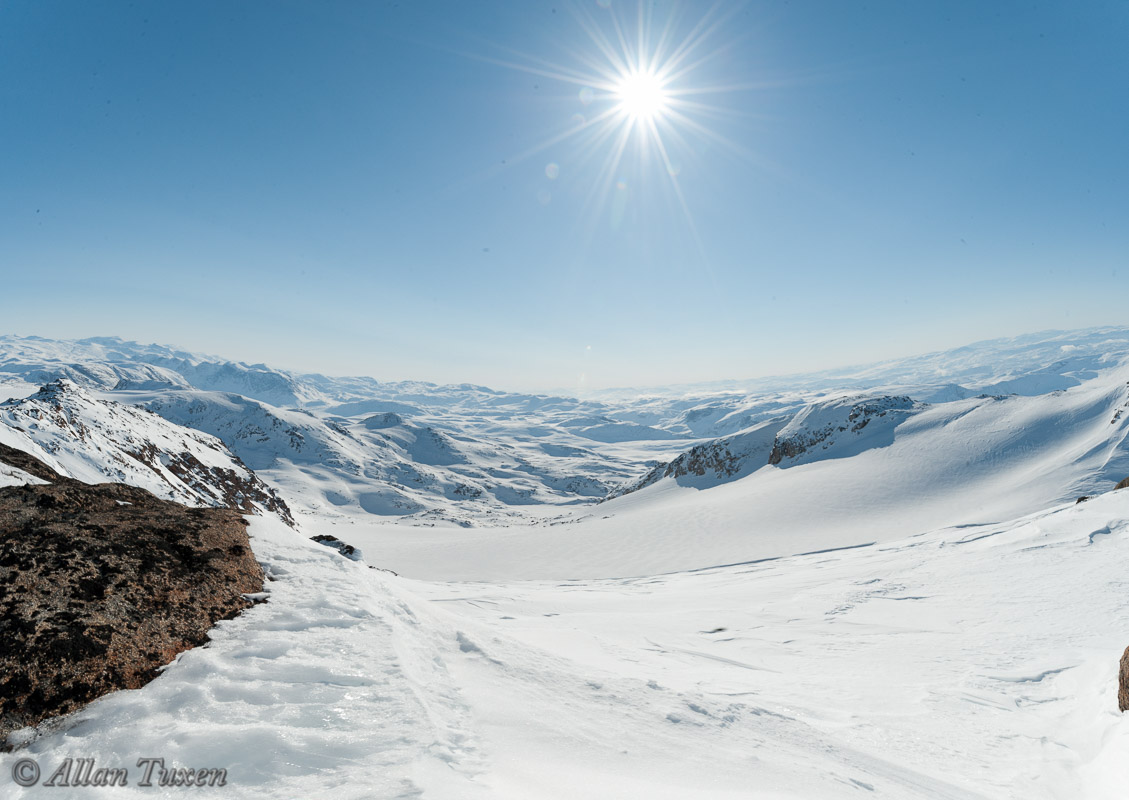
[344,548]
[102,585]
[1123,682]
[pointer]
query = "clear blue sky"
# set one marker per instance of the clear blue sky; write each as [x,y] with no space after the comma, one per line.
[341,187]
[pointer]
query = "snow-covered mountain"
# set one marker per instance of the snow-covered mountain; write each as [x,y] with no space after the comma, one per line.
[1033,363]
[111,363]
[829,429]
[86,437]
[463,454]
[467,455]
[387,464]
[716,461]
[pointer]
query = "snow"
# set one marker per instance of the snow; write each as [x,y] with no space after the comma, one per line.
[466,468]
[325,687]
[945,665]
[914,607]
[12,476]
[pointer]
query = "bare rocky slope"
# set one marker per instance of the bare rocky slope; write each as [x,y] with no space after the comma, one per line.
[101,585]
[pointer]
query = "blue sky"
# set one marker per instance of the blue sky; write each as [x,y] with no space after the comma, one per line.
[363,188]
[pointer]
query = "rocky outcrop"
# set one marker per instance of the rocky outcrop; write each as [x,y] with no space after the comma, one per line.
[385,420]
[27,462]
[1123,485]
[834,428]
[232,487]
[715,458]
[344,548]
[101,585]
[716,462]
[1123,682]
[835,423]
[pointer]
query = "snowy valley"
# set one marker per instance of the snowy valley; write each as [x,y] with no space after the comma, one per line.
[874,581]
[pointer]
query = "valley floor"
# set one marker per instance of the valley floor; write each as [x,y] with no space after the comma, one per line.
[973,662]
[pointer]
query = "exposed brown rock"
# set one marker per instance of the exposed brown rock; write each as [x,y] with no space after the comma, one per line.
[1123,682]
[1123,485]
[27,462]
[100,585]
[239,492]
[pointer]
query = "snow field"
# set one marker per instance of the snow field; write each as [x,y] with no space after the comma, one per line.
[954,664]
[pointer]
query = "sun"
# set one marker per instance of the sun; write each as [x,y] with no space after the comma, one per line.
[643,107]
[640,95]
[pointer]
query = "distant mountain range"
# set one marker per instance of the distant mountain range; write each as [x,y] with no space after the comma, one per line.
[1037,409]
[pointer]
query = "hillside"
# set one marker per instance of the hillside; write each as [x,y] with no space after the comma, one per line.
[963,664]
[83,436]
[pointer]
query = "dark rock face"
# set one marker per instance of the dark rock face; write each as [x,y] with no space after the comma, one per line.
[713,458]
[1123,682]
[344,548]
[1123,485]
[27,462]
[236,491]
[100,585]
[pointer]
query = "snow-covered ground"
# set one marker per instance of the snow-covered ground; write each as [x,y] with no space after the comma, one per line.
[864,583]
[972,662]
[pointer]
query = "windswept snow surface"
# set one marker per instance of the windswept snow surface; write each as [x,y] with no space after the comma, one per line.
[13,476]
[966,663]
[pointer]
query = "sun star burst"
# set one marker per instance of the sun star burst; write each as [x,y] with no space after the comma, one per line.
[637,95]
